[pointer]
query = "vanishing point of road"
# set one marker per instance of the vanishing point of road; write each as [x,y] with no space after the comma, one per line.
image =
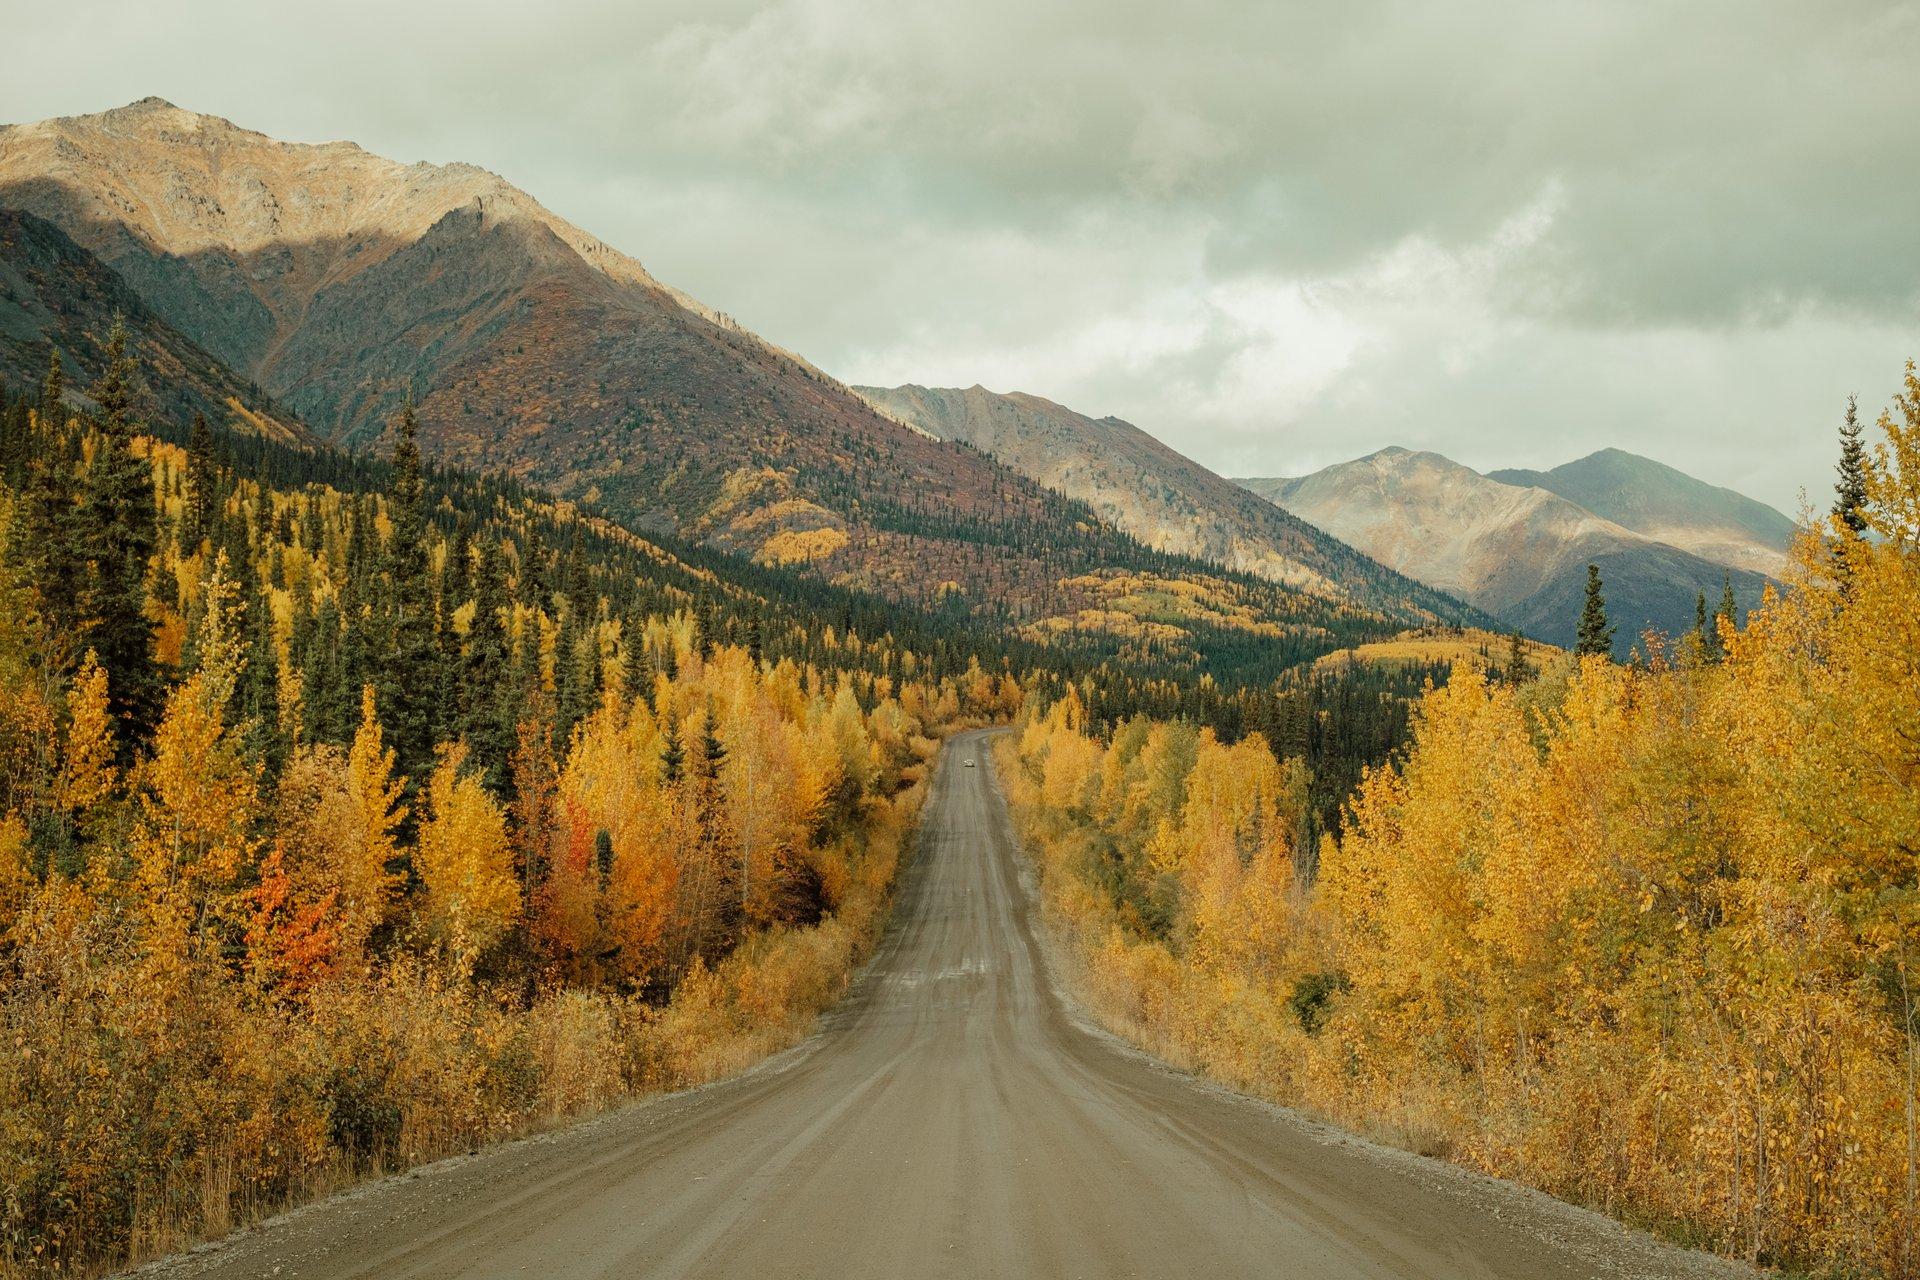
[953,1117]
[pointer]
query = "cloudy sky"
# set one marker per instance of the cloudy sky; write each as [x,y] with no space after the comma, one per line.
[1275,235]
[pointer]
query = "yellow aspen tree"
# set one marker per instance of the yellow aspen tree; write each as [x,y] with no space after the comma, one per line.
[87,773]
[365,854]
[465,863]
[198,797]
[16,875]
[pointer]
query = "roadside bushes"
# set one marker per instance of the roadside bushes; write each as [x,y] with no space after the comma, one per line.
[171,1105]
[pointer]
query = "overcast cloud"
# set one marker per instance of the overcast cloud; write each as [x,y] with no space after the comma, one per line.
[1274,235]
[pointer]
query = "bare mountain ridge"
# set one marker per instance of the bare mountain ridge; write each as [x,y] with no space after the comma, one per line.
[267,247]
[1150,490]
[1518,551]
[1669,506]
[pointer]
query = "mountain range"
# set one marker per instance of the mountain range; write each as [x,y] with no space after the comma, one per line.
[326,286]
[1517,543]
[52,292]
[306,292]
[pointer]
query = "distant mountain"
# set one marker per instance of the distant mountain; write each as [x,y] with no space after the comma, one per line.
[1158,495]
[56,295]
[342,283]
[1520,553]
[1669,506]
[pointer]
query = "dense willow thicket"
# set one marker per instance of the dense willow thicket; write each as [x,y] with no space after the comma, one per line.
[1645,936]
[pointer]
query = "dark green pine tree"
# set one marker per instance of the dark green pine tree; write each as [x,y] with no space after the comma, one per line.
[259,692]
[713,752]
[755,644]
[576,668]
[1706,625]
[17,451]
[52,537]
[1850,491]
[196,524]
[1729,607]
[404,648]
[1595,637]
[53,391]
[330,694]
[120,529]
[673,756]
[1519,670]
[13,441]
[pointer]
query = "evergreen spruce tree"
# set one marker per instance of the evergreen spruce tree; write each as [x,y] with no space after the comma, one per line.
[1595,637]
[1850,491]
[713,752]
[327,678]
[1519,670]
[197,519]
[1729,607]
[53,410]
[1710,643]
[259,692]
[120,530]
[18,425]
[56,562]
[572,690]
[12,437]
[673,756]
[403,648]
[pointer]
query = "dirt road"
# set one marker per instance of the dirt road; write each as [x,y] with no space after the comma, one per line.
[953,1117]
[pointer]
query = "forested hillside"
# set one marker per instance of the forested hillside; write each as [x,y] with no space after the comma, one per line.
[352,814]
[1645,937]
[1149,490]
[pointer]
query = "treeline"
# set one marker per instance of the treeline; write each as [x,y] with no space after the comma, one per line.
[346,821]
[1645,937]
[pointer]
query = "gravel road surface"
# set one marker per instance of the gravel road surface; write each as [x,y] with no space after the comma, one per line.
[954,1116]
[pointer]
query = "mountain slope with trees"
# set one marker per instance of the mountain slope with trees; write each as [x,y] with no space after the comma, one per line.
[1156,494]
[344,283]
[54,295]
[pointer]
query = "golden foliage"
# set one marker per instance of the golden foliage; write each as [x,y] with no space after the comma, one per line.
[464,862]
[1645,938]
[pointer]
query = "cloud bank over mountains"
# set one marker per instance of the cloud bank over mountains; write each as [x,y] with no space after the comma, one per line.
[1276,238]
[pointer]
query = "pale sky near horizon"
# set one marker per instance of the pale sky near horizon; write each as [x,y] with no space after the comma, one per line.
[1276,236]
